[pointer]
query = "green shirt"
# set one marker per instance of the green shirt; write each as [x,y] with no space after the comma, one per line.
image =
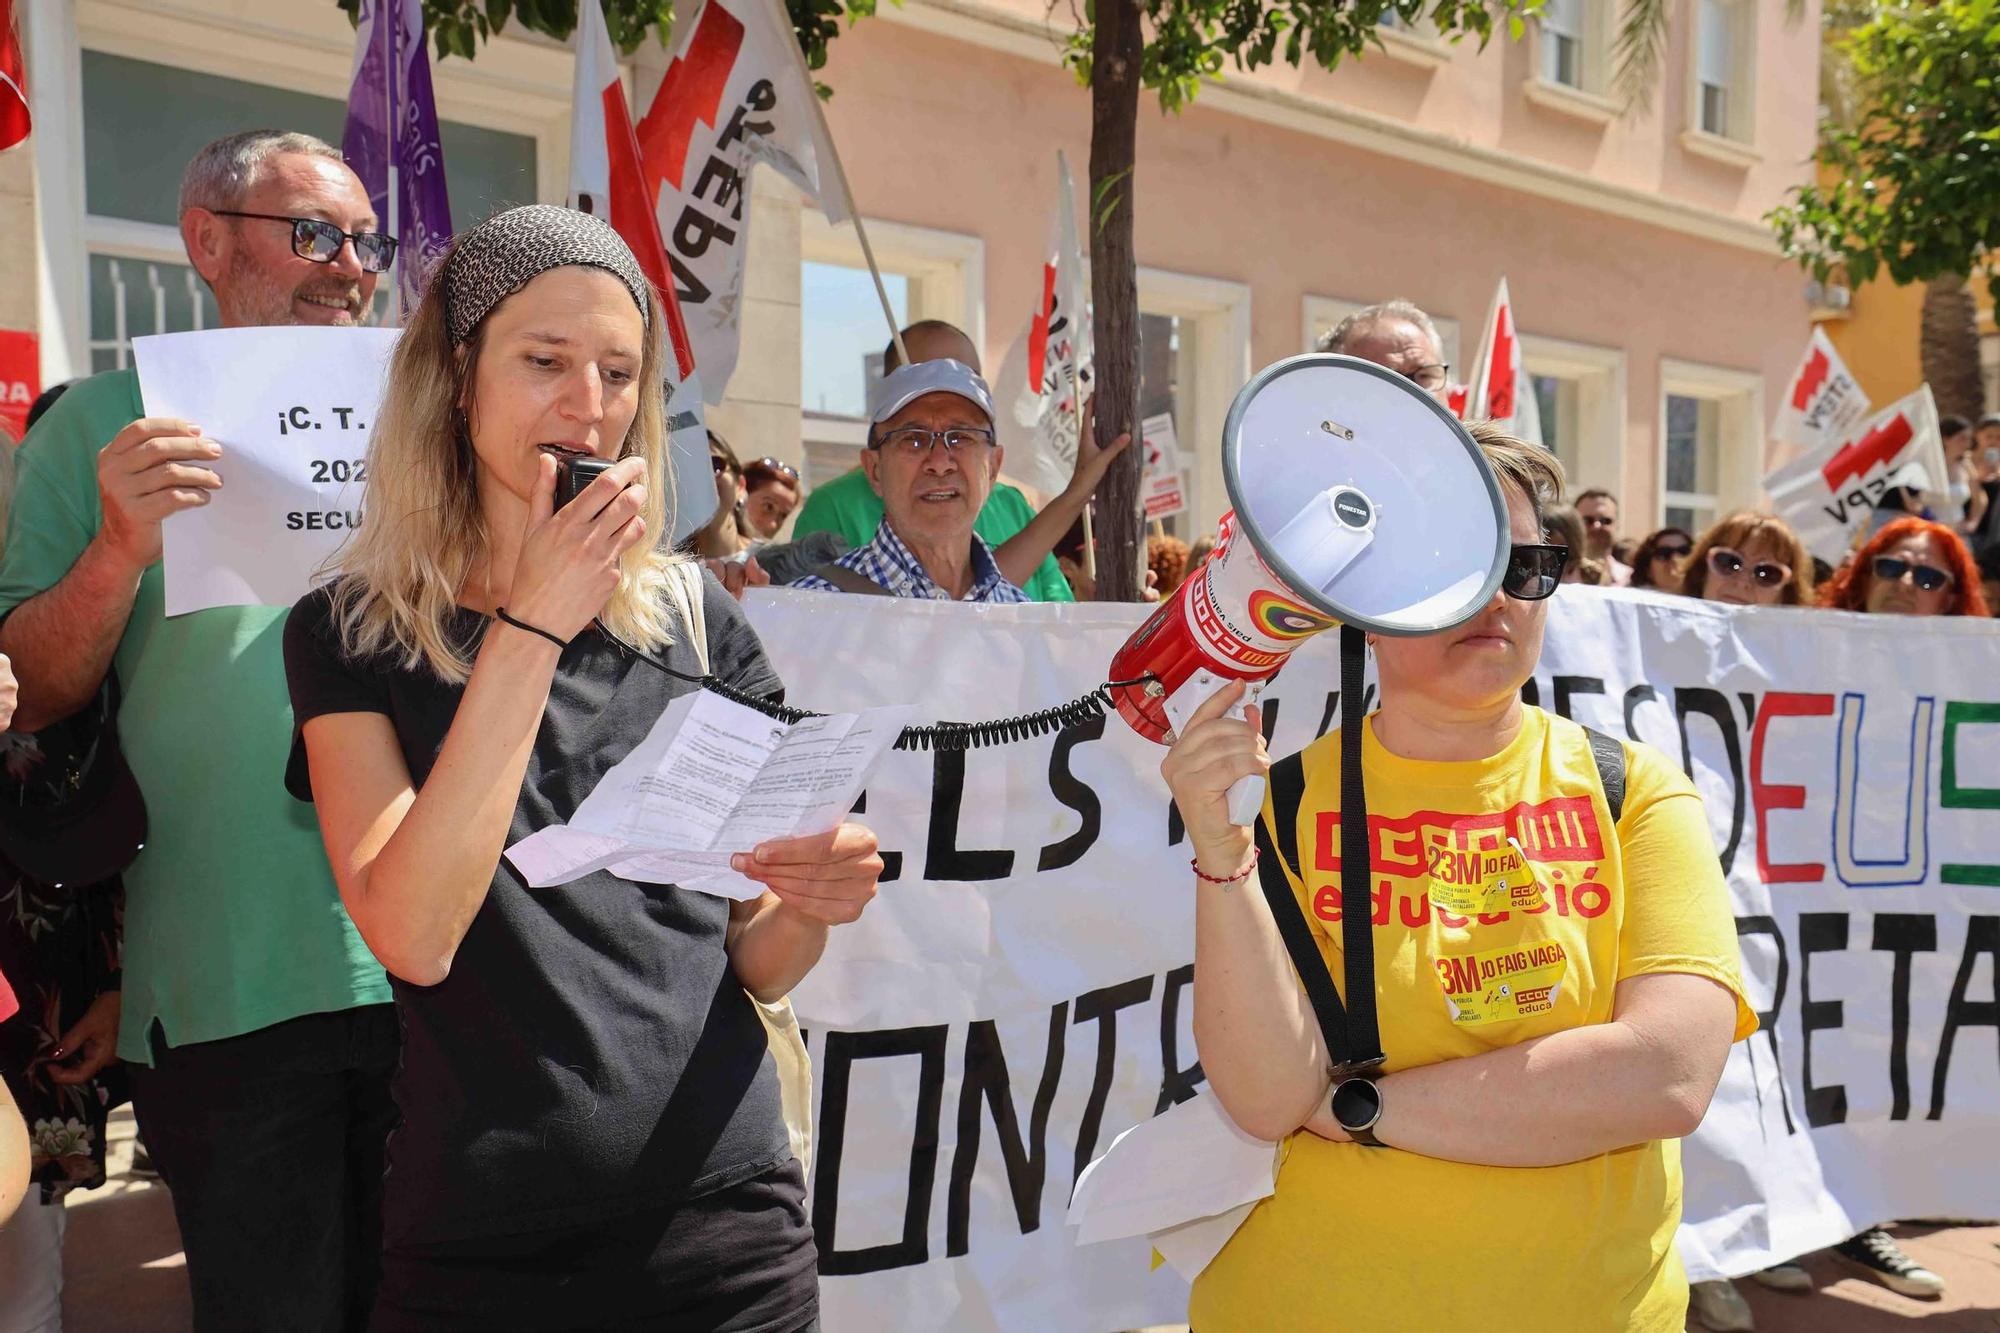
[232,921]
[849,506]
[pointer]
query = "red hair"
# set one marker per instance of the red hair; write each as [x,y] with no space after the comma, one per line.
[1847,590]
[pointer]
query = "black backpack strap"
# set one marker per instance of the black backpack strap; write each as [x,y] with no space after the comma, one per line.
[1353,1039]
[1609,753]
[1274,857]
[847,580]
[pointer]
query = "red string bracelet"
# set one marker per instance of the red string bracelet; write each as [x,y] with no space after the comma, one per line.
[1195,865]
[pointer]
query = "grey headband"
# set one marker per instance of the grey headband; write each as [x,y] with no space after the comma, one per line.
[504,253]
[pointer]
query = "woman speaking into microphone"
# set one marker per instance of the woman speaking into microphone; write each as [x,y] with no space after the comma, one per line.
[1556,978]
[591,1125]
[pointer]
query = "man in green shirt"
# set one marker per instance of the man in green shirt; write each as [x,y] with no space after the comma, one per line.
[1022,540]
[254,1018]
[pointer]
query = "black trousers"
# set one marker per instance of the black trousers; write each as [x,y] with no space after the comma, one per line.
[272,1143]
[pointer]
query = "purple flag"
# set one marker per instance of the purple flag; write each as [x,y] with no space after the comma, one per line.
[404,172]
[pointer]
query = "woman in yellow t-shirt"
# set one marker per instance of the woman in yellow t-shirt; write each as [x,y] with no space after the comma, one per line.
[1557,991]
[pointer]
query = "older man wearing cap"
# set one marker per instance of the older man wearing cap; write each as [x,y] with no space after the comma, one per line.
[932,458]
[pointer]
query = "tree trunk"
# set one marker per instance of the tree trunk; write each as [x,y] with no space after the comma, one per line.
[1948,346]
[1115,50]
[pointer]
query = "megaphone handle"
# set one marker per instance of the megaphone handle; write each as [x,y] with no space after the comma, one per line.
[1246,800]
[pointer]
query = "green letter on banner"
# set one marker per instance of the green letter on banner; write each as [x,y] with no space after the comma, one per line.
[1954,797]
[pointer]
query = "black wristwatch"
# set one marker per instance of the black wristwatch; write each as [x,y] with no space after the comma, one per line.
[1357,1105]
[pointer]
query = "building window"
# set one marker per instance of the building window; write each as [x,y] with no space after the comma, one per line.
[1693,444]
[1562,28]
[1722,63]
[1556,396]
[139,278]
[841,336]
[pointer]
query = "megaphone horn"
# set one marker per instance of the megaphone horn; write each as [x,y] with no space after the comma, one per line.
[1356,499]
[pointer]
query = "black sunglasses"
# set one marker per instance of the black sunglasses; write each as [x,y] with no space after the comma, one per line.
[1928,578]
[320,241]
[1673,551]
[1533,572]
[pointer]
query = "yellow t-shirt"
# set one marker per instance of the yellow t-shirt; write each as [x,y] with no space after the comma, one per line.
[1379,1240]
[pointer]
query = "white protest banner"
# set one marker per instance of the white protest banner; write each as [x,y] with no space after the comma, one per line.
[1019,993]
[736,94]
[292,408]
[1163,488]
[1828,495]
[1824,401]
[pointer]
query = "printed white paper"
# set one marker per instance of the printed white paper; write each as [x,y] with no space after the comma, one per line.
[292,409]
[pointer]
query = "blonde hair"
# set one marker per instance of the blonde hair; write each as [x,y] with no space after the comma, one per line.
[1533,471]
[400,575]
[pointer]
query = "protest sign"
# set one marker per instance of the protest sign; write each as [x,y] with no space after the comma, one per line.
[1823,402]
[1163,491]
[1829,494]
[1047,374]
[1020,992]
[292,408]
[20,378]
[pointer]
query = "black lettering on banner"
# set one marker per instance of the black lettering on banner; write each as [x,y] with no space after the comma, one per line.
[892,862]
[343,413]
[299,418]
[762,97]
[1767,1019]
[1333,708]
[1638,694]
[725,178]
[1820,932]
[1176,1084]
[842,1050]
[687,287]
[1531,692]
[1982,936]
[1075,793]
[1712,705]
[1568,687]
[1102,1006]
[694,231]
[1904,935]
[943,859]
[986,1080]
[1749,702]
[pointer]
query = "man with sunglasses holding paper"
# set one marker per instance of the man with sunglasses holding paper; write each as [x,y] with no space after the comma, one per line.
[255,1022]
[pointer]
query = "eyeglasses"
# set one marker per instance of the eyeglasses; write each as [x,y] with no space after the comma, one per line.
[1727,564]
[1598,521]
[778,466]
[1673,551]
[916,441]
[1431,377]
[719,463]
[320,241]
[1928,578]
[1533,572]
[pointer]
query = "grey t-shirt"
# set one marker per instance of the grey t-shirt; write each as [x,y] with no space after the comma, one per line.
[591,1052]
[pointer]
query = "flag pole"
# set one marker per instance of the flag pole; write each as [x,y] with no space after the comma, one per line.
[840,177]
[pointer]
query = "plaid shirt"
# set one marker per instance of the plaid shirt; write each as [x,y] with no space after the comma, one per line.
[892,566]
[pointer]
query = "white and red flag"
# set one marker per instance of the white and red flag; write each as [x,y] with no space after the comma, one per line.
[1829,494]
[1823,403]
[1501,389]
[1049,369]
[607,178]
[736,94]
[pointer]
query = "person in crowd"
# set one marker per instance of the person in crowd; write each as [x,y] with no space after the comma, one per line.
[1562,526]
[1559,1099]
[591,1125]
[1198,554]
[727,532]
[1750,559]
[1658,560]
[1624,549]
[255,1022]
[1022,540]
[1989,576]
[1166,561]
[1598,509]
[932,458]
[1396,334]
[1912,567]
[1982,478]
[770,494]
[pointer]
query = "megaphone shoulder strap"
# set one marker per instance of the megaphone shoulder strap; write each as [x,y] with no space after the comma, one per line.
[1353,1039]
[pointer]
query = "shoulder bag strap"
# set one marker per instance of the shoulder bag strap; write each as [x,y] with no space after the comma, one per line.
[847,580]
[1609,754]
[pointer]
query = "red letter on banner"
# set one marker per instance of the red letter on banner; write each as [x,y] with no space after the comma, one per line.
[1767,797]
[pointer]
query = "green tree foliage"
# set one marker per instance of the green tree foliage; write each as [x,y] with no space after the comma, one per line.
[1911,180]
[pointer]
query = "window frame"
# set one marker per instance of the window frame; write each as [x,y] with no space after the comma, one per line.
[1599,377]
[1219,310]
[1740,439]
[1735,143]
